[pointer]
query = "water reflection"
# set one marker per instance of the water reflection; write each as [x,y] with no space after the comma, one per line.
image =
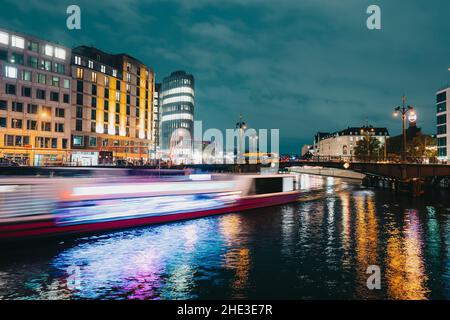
[366,237]
[318,248]
[345,233]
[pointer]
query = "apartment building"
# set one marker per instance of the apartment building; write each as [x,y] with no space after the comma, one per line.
[112,109]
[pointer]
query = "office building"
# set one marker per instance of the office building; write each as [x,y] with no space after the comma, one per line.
[443,123]
[35,82]
[177,117]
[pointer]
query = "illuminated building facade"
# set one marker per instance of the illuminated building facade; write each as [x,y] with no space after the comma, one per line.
[443,124]
[342,143]
[156,120]
[177,116]
[35,83]
[112,109]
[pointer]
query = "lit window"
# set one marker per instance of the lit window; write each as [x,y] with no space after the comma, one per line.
[106,81]
[91,64]
[49,50]
[114,73]
[77,60]
[79,73]
[11,72]
[60,53]
[4,37]
[103,69]
[18,42]
[66,83]
[26,75]
[94,76]
[55,81]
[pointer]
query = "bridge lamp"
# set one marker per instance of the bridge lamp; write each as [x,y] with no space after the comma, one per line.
[346,165]
[412,116]
[404,111]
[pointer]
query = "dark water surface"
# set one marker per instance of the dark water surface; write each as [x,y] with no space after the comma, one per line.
[317,248]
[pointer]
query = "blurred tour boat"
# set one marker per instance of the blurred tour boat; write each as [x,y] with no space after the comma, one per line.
[31,207]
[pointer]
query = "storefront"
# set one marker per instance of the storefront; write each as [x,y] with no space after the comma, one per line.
[79,158]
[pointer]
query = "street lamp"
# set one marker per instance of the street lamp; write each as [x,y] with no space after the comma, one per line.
[403,111]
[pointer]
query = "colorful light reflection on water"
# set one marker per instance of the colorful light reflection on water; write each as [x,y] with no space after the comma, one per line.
[317,248]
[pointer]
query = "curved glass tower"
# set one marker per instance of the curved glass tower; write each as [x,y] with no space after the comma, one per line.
[177,116]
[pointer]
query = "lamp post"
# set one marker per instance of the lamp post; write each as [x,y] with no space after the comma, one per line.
[403,111]
[241,125]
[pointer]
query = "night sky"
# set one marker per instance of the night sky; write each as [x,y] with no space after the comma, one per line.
[298,65]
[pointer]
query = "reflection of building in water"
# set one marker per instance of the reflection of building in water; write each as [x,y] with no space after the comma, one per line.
[405,265]
[415,268]
[366,239]
[288,229]
[230,227]
[435,244]
[330,226]
[308,182]
[191,234]
[394,265]
[345,201]
[180,282]
[239,260]
[311,218]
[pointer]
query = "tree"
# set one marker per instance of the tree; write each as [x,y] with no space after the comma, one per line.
[368,149]
[421,146]
[418,147]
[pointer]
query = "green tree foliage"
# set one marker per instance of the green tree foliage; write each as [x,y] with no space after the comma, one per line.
[369,148]
[420,147]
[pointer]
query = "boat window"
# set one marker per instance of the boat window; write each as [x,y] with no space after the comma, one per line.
[268,185]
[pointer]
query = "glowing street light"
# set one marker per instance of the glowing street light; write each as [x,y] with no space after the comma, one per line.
[404,111]
[412,117]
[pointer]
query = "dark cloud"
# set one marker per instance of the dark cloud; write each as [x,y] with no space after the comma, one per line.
[297,65]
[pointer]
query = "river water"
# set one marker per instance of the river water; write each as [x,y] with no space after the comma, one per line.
[318,248]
